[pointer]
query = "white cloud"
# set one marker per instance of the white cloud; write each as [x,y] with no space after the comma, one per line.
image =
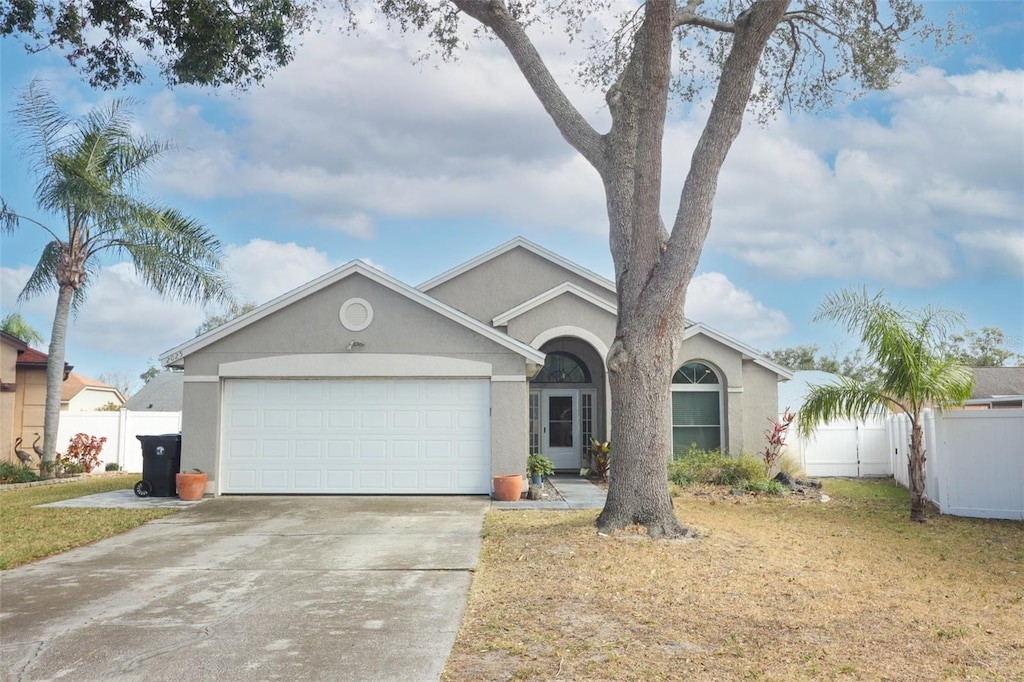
[855,198]
[714,300]
[263,270]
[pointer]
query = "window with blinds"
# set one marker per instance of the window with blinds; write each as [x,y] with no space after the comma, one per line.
[696,409]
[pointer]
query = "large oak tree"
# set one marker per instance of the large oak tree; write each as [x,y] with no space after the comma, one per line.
[749,54]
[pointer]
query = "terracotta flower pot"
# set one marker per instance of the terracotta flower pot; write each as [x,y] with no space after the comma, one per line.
[191,485]
[508,488]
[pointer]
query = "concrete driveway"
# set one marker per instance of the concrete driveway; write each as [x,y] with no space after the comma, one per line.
[252,588]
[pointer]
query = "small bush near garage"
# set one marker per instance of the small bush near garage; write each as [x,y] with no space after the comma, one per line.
[699,467]
[16,473]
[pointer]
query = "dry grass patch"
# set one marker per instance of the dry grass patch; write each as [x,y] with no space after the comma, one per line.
[774,589]
[30,532]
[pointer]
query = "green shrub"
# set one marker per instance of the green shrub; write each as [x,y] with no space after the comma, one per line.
[111,466]
[16,473]
[698,466]
[767,487]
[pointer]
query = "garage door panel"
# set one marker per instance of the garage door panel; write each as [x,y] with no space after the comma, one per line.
[341,419]
[341,449]
[309,419]
[356,436]
[276,419]
[373,419]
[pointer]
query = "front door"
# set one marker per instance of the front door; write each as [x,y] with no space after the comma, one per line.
[560,427]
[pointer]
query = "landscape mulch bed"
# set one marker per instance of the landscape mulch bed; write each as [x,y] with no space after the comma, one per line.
[770,589]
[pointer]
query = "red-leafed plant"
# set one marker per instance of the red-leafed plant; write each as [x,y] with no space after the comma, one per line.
[84,450]
[776,435]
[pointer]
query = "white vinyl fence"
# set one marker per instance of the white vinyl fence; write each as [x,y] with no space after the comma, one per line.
[843,448]
[120,429]
[975,460]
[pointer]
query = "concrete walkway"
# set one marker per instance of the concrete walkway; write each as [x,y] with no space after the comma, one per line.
[576,491]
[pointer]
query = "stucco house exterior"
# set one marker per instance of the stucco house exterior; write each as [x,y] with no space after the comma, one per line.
[22,394]
[80,393]
[359,383]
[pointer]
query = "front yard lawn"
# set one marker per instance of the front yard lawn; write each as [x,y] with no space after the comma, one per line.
[773,589]
[30,532]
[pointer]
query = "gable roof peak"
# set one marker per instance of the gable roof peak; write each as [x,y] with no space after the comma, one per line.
[522,243]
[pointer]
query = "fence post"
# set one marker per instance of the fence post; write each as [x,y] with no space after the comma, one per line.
[122,429]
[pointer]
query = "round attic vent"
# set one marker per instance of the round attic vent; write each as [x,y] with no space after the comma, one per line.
[356,314]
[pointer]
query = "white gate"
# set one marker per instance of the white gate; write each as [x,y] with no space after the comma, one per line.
[844,448]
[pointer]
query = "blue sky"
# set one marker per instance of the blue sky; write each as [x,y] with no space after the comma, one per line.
[353,151]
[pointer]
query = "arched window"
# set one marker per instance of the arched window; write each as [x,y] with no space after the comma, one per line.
[696,408]
[562,368]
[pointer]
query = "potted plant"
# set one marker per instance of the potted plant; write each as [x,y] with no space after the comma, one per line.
[508,488]
[538,466]
[191,484]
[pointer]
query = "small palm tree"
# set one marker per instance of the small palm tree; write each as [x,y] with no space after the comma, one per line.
[88,171]
[914,372]
[15,325]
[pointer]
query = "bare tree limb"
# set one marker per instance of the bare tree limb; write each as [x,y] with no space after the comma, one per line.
[573,126]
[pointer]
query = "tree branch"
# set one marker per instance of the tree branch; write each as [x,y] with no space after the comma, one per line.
[574,127]
[687,16]
[754,27]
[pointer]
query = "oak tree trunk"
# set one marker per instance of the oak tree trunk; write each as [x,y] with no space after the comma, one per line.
[652,267]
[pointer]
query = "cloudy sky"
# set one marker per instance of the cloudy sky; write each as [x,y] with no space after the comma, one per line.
[355,151]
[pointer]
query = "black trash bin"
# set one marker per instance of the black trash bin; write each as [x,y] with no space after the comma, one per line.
[161,459]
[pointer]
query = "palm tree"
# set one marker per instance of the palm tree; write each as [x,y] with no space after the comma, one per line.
[88,172]
[914,372]
[15,325]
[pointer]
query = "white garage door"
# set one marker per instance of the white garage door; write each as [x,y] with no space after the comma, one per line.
[356,436]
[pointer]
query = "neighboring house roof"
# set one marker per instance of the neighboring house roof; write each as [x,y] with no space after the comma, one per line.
[162,393]
[518,242]
[13,340]
[30,357]
[997,382]
[76,383]
[172,358]
[994,382]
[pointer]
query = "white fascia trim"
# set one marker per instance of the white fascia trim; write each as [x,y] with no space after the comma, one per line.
[578,332]
[537,301]
[505,248]
[355,365]
[199,378]
[509,377]
[176,354]
[749,353]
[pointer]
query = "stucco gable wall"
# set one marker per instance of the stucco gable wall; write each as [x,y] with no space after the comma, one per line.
[505,281]
[760,404]
[312,325]
[561,311]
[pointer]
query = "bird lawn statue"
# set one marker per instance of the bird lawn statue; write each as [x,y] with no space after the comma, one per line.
[38,450]
[25,458]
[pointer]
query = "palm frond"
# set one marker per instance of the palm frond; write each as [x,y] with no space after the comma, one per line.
[849,399]
[44,276]
[908,348]
[176,256]
[44,123]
